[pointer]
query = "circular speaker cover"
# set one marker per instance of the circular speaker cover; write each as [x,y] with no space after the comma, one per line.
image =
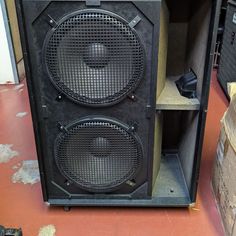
[98,154]
[94,57]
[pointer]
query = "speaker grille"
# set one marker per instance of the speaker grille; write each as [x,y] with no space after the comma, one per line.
[99,155]
[94,58]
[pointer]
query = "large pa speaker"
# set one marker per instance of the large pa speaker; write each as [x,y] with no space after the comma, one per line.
[111,127]
[227,70]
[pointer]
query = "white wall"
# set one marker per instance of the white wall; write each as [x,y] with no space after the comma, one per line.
[8,72]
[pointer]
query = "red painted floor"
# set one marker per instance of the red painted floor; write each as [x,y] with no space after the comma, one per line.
[22,205]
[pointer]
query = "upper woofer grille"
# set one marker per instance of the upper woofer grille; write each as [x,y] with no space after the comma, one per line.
[94,57]
[98,155]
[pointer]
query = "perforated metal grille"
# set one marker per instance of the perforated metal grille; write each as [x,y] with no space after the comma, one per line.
[227,70]
[98,155]
[94,58]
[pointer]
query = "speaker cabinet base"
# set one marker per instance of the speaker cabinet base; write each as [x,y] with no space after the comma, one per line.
[171,191]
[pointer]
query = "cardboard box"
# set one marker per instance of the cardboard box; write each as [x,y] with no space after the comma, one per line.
[224,175]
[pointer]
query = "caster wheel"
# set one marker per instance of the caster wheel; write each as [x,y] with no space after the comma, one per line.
[67,208]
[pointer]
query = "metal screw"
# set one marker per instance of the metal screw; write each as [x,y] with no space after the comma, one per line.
[132,96]
[61,127]
[51,21]
[131,183]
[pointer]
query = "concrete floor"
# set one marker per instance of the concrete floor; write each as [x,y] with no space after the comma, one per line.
[22,206]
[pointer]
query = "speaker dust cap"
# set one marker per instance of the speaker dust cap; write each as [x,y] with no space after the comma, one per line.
[94,57]
[98,154]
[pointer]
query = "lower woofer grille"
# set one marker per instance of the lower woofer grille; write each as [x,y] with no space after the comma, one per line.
[99,154]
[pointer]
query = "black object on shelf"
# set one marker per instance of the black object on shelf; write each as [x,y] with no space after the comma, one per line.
[10,231]
[187,85]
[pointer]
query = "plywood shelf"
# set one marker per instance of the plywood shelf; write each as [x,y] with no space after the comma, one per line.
[171,99]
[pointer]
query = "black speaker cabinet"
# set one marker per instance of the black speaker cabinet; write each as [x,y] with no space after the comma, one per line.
[227,70]
[111,126]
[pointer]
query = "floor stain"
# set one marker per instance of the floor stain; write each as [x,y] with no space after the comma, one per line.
[27,172]
[21,114]
[6,153]
[17,166]
[4,90]
[19,86]
[48,230]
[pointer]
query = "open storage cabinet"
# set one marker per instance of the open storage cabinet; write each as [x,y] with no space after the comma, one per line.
[190,27]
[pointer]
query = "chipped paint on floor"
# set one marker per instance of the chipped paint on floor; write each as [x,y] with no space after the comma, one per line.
[19,86]
[28,173]
[4,90]
[21,114]
[48,230]
[6,153]
[17,166]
